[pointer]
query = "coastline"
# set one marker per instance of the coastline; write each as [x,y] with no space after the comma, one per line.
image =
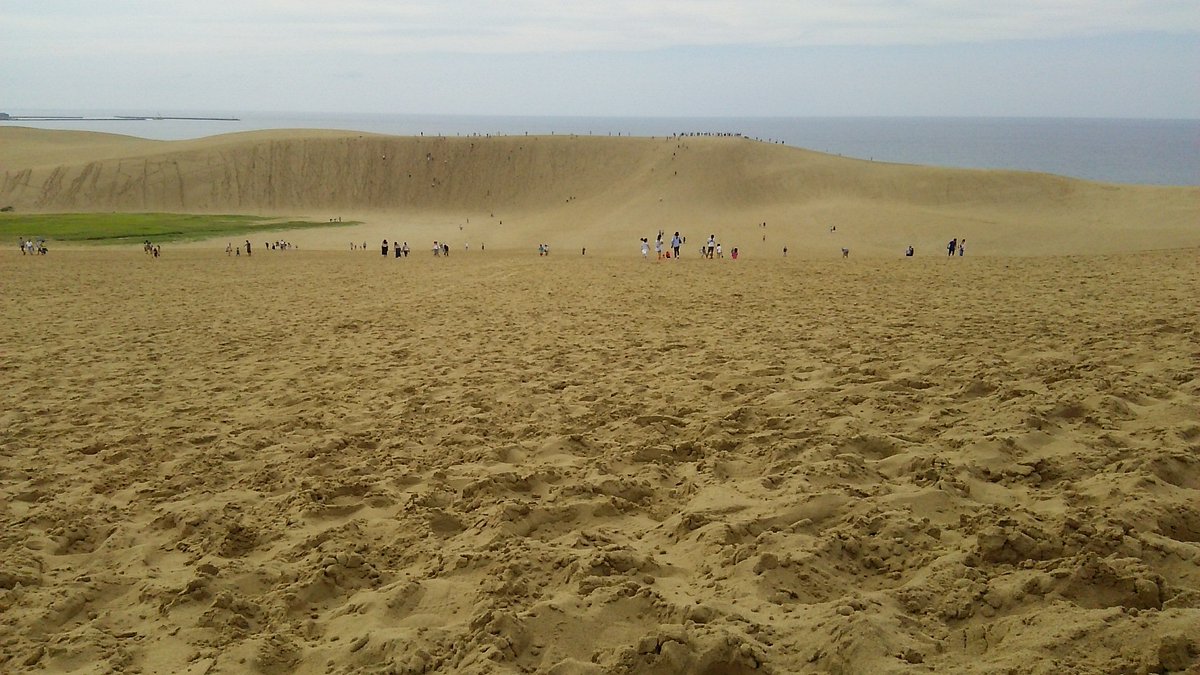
[1146,151]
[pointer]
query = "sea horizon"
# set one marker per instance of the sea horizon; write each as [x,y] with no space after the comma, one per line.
[1148,151]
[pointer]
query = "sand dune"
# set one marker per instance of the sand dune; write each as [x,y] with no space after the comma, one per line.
[602,193]
[317,461]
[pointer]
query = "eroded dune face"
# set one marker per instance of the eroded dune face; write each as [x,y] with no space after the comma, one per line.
[600,193]
[320,462]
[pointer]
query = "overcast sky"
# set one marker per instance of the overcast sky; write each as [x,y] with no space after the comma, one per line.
[1087,58]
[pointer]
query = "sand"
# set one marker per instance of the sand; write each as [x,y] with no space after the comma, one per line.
[325,461]
[598,193]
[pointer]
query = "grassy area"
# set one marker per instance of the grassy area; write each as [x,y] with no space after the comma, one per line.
[123,228]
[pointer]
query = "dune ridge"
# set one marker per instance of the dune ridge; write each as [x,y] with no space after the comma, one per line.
[601,192]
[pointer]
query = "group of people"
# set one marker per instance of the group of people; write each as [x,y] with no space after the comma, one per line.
[440,248]
[151,249]
[230,249]
[710,249]
[659,247]
[398,248]
[30,247]
[955,246]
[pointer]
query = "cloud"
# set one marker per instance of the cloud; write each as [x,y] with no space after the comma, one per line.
[553,26]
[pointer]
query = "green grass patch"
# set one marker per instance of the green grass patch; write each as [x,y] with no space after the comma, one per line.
[123,228]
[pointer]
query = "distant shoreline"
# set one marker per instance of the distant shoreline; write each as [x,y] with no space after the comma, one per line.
[1134,152]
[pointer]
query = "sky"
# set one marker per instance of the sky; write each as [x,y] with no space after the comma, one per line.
[1036,58]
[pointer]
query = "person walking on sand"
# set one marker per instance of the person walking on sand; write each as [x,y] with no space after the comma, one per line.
[405,249]
[962,247]
[658,247]
[711,246]
[951,246]
[396,249]
[645,249]
[384,248]
[229,248]
[247,247]
[676,242]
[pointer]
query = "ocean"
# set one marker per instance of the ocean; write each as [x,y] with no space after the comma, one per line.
[1141,151]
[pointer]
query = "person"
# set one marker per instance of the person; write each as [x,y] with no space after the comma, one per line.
[229,248]
[719,254]
[785,251]
[711,245]
[951,246]
[406,249]
[909,252]
[247,247]
[734,253]
[384,248]
[676,242]
[658,247]
[437,249]
[396,249]
[645,248]
[445,250]
[962,247]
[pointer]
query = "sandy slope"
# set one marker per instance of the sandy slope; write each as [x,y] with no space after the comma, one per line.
[333,462]
[320,461]
[601,193]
